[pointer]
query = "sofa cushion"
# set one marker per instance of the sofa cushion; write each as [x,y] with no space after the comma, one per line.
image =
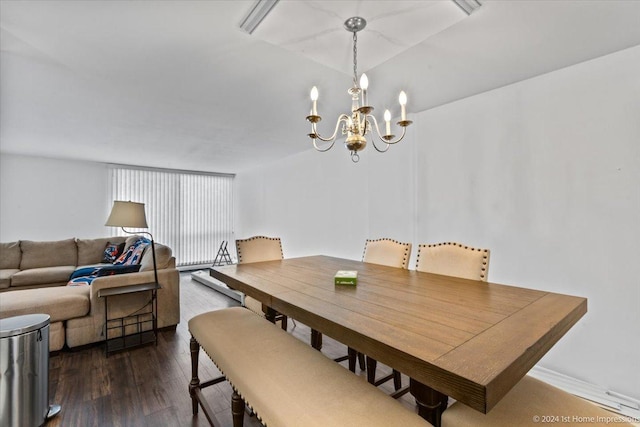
[42,276]
[10,255]
[91,251]
[48,254]
[5,277]
[163,258]
[61,303]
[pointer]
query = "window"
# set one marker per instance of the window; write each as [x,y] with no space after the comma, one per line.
[190,212]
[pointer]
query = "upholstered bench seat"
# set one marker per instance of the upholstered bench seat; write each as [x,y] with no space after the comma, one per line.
[61,303]
[285,381]
[530,403]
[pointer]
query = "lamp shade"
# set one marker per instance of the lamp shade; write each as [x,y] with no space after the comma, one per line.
[127,214]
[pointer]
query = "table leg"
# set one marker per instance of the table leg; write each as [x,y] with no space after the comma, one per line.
[431,403]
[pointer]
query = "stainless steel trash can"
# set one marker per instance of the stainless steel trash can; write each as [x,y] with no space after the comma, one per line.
[24,371]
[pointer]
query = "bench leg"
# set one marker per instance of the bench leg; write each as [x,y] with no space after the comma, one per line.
[237,409]
[195,381]
[195,387]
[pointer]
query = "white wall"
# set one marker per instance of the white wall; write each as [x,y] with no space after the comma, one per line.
[545,173]
[49,199]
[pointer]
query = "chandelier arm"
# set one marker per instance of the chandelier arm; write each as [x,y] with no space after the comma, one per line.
[387,142]
[404,130]
[373,140]
[322,150]
[343,117]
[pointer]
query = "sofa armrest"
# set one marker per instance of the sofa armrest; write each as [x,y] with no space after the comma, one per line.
[118,280]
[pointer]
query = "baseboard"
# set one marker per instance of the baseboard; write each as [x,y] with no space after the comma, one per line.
[204,278]
[608,399]
[186,268]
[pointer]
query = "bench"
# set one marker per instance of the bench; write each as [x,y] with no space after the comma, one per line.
[532,402]
[284,381]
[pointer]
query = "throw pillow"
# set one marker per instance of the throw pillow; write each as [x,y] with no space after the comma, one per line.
[133,255]
[111,252]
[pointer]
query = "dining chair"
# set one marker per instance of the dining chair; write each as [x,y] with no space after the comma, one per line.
[391,253]
[453,259]
[258,249]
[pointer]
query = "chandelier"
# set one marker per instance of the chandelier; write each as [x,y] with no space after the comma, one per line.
[358,123]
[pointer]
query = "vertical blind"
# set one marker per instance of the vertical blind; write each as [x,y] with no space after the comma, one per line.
[190,212]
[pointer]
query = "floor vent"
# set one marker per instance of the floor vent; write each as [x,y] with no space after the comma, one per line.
[204,278]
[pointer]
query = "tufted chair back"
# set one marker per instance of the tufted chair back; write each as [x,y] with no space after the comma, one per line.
[259,248]
[454,259]
[387,252]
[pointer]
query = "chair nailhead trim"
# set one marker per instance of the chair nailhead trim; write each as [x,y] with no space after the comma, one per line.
[460,245]
[256,238]
[406,247]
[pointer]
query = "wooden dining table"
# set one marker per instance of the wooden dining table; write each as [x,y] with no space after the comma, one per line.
[467,339]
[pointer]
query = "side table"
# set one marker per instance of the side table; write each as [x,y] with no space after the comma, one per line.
[136,321]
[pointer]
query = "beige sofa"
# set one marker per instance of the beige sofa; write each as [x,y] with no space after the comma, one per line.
[33,278]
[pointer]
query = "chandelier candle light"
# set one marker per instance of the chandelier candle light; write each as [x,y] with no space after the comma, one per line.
[359,123]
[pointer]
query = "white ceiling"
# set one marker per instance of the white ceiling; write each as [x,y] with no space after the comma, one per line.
[328,43]
[177,84]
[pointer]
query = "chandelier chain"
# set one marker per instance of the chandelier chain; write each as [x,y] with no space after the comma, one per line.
[355,59]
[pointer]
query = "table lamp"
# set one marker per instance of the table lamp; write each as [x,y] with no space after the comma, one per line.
[131,214]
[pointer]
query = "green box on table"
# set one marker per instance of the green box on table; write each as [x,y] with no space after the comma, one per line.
[346,277]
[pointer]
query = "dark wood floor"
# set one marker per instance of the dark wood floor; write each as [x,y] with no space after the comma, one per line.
[148,386]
